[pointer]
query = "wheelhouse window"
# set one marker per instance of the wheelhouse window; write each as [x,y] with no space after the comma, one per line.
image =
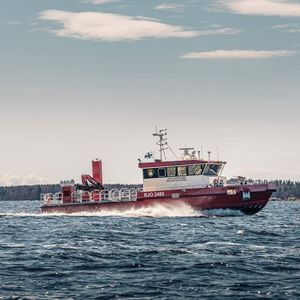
[171,171]
[150,173]
[190,170]
[212,169]
[161,172]
[195,169]
[181,171]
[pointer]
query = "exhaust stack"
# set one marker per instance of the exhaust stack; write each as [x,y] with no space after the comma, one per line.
[97,170]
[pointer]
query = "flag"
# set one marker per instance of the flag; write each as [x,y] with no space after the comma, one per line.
[148,155]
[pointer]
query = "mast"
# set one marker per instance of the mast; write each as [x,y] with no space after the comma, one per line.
[162,142]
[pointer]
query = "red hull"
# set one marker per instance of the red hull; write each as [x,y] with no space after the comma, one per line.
[198,199]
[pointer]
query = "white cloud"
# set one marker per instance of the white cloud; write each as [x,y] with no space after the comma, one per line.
[237,54]
[111,27]
[261,7]
[8,180]
[220,30]
[101,1]
[14,23]
[115,27]
[291,28]
[169,6]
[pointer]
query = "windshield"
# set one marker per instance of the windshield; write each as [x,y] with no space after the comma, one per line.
[213,170]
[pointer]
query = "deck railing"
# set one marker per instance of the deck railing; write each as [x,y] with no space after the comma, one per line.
[113,195]
[246,181]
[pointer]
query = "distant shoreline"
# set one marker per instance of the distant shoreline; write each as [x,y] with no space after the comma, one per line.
[287,199]
[286,190]
[33,192]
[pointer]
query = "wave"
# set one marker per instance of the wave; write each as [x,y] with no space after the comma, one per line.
[223,212]
[156,211]
[20,214]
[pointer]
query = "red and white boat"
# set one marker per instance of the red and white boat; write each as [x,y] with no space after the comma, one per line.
[190,180]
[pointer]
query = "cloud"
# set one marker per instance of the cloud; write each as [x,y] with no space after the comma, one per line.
[260,7]
[14,23]
[8,180]
[111,27]
[237,54]
[169,6]
[219,31]
[101,1]
[291,28]
[115,27]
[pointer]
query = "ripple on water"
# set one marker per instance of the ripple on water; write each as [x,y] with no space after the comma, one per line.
[149,254]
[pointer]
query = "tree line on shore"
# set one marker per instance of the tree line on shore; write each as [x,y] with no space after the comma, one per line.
[285,189]
[33,192]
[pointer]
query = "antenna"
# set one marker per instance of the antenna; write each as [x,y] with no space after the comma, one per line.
[186,152]
[218,153]
[209,153]
[162,142]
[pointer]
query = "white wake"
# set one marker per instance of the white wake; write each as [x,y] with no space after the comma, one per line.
[156,211]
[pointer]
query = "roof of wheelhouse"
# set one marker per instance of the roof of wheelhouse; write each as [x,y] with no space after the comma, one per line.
[170,163]
[187,158]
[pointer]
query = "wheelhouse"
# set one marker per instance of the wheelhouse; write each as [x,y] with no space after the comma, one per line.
[191,171]
[183,173]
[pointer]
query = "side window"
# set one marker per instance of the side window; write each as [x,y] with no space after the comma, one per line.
[162,172]
[181,171]
[195,169]
[171,172]
[150,173]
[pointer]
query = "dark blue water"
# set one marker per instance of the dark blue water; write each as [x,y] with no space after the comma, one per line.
[103,257]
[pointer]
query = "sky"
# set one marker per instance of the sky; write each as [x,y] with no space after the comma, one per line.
[87,79]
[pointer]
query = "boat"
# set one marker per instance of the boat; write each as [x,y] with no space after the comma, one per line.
[188,180]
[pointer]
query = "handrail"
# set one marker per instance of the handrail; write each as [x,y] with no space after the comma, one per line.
[125,193]
[113,195]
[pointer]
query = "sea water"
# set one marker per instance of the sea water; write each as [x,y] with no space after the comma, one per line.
[153,253]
